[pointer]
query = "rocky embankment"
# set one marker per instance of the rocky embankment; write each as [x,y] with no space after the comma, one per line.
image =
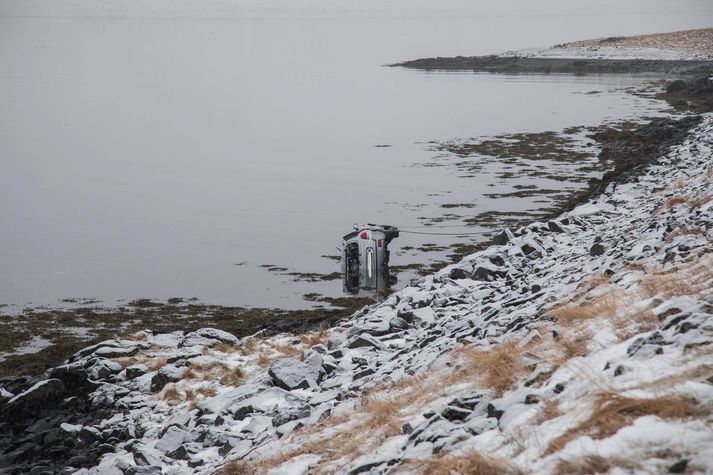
[570,346]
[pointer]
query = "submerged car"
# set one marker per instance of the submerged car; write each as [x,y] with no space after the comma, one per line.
[365,258]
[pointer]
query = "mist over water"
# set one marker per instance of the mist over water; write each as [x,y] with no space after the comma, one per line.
[148,147]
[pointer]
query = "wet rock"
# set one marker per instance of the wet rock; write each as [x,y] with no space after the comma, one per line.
[454,413]
[678,467]
[42,395]
[554,227]
[290,373]
[133,372]
[596,250]
[502,237]
[160,380]
[487,275]
[458,274]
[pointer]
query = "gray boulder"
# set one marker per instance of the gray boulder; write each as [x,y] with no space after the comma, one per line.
[290,373]
[208,337]
[43,395]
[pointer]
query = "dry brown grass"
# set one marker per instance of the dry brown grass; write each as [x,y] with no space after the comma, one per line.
[468,463]
[497,368]
[263,360]
[611,412]
[155,364]
[675,201]
[171,395]
[548,410]
[604,305]
[685,280]
[380,415]
[227,348]
[684,231]
[207,391]
[318,337]
[572,344]
[236,467]
[218,370]
[593,464]
[290,351]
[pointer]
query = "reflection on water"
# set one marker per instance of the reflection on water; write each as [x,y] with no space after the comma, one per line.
[144,151]
[365,259]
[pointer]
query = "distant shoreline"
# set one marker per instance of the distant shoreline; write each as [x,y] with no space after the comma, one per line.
[540,65]
[681,53]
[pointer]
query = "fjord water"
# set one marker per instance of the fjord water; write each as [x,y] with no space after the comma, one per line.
[146,148]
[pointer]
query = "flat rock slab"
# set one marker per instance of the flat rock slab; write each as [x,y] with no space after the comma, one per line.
[290,373]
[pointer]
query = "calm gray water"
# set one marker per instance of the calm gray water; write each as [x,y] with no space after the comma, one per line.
[147,147]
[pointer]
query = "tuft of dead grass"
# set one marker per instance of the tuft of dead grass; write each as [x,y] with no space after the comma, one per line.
[604,305]
[171,394]
[548,410]
[236,467]
[689,280]
[226,375]
[318,337]
[675,201]
[497,368]
[470,463]
[155,364]
[593,464]
[290,351]
[207,391]
[612,411]
[133,336]
[226,348]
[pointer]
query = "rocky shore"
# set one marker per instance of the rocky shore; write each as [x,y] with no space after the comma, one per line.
[683,53]
[501,362]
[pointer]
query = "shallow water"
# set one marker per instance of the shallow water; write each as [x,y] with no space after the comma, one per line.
[147,148]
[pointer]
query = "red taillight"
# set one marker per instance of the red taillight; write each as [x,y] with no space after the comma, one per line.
[378,243]
[364,235]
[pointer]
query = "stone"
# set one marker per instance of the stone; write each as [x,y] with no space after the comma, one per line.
[454,413]
[532,399]
[335,341]
[167,374]
[116,352]
[208,337]
[502,237]
[172,439]
[487,275]
[458,274]
[596,250]
[290,373]
[133,372]
[678,467]
[398,324]
[42,395]
[554,227]
[364,341]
